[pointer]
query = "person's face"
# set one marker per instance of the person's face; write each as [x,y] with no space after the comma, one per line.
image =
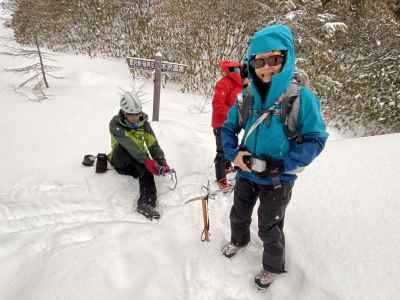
[267,64]
[133,118]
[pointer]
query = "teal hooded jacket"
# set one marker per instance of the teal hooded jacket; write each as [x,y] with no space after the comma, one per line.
[269,140]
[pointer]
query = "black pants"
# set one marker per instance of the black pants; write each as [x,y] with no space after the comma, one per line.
[271,215]
[220,162]
[126,165]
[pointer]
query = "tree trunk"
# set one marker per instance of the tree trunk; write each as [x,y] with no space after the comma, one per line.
[41,63]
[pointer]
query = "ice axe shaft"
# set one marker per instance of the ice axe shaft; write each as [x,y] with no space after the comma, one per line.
[205,235]
[206,221]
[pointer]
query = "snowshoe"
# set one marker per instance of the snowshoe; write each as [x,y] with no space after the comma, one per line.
[148,211]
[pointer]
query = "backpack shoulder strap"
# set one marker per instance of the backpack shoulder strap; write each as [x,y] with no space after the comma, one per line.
[301,77]
[245,106]
[290,108]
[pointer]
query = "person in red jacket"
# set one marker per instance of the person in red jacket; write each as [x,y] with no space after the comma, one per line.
[225,93]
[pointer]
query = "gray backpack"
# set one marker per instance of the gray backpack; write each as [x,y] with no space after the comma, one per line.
[287,106]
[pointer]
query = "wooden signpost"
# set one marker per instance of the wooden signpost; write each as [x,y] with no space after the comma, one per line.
[159,66]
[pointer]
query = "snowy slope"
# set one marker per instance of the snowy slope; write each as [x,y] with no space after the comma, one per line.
[68,233]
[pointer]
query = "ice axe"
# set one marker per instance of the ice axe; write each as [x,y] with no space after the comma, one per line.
[205,235]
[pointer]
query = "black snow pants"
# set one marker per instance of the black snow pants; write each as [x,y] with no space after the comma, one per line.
[220,162]
[126,165]
[271,215]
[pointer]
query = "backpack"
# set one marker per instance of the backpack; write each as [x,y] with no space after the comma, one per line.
[289,109]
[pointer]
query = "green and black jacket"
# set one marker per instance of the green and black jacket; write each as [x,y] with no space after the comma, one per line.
[141,143]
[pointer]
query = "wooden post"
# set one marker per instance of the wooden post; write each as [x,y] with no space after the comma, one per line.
[158,66]
[157,86]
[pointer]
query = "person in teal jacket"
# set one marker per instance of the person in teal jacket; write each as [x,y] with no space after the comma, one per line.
[268,160]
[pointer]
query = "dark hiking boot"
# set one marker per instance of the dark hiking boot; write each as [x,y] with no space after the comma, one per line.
[148,191]
[264,279]
[229,250]
[146,198]
[148,211]
[151,192]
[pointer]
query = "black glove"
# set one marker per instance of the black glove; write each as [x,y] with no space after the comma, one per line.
[274,168]
[160,160]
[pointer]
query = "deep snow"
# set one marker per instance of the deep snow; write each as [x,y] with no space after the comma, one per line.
[68,233]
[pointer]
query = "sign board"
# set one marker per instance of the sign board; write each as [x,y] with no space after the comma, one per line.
[149,64]
[159,66]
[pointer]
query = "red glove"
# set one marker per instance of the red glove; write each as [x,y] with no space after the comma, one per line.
[152,166]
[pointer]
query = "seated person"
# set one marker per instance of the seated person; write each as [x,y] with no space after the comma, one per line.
[136,152]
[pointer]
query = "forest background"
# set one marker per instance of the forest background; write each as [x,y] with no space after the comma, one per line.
[349,48]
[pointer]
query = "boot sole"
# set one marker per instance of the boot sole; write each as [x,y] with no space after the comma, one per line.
[261,288]
[147,215]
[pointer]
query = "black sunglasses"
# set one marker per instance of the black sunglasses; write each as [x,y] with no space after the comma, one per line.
[272,61]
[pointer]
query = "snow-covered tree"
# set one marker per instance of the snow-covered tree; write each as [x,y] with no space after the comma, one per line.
[349,48]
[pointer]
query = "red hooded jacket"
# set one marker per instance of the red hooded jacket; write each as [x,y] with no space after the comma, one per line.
[225,92]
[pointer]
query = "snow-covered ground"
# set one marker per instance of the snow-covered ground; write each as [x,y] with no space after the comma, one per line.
[69,233]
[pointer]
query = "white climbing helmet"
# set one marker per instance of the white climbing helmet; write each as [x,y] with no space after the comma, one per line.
[131,103]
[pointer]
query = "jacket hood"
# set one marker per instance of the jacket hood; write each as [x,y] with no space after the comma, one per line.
[275,38]
[225,64]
